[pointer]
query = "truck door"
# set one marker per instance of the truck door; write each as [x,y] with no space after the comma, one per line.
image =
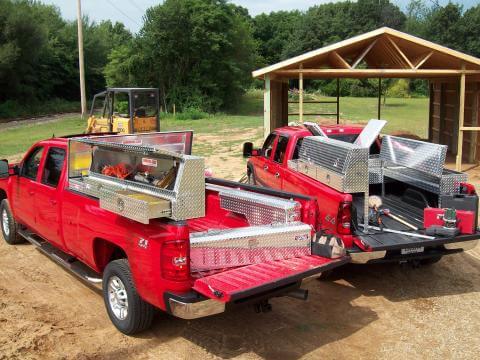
[47,200]
[25,191]
[276,168]
[262,175]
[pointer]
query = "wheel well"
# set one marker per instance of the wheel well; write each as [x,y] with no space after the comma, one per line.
[105,252]
[3,195]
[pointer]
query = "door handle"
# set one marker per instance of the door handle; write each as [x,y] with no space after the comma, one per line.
[31,193]
[265,167]
[53,202]
[277,174]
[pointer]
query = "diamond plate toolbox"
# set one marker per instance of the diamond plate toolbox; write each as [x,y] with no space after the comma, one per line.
[338,164]
[135,206]
[220,249]
[259,209]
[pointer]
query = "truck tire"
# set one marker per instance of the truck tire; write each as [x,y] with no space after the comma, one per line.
[127,310]
[251,177]
[9,225]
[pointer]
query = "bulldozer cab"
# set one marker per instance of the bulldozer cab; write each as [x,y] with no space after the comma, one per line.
[125,111]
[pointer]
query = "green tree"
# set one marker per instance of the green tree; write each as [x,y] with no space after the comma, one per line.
[273,32]
[198,52]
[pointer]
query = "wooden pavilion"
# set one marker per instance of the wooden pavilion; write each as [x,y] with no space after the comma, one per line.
[454,79]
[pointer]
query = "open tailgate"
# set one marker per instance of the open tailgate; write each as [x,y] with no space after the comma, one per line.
[251,280]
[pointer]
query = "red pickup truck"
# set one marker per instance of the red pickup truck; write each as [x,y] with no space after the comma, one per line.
[412,200]
[143,266]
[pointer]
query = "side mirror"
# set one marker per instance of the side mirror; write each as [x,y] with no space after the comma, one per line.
[4,173]
[247,149]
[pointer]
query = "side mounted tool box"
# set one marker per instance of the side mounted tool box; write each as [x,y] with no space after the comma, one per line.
[142,176]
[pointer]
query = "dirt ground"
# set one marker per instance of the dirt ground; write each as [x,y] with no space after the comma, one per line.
[381,311]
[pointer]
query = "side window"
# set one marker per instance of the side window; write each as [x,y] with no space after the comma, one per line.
[296,152]
[32,163]
[281,149]
[268,145]
[53,167]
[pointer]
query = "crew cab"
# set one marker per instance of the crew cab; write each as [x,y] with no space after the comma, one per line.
[188,246]
[417,196]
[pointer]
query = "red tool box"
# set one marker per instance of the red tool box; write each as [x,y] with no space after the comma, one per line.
[465,219]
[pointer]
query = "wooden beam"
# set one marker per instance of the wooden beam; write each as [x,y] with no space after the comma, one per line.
[404,57]
[365,73]
[300,95]
[422,61]
[470,128]
[461,116]
[363,53]
[337,60]
[266,107]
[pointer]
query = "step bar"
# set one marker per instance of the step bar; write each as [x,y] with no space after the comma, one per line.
[68,262]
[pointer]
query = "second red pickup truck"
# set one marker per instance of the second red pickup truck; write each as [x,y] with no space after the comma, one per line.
[392,202]
[135,216]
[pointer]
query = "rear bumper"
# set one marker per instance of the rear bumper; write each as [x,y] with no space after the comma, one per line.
[363,257]
[195,310]
[394,255]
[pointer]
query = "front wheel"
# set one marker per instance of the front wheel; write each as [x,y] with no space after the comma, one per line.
[127,310]
[9,225]
[251,178]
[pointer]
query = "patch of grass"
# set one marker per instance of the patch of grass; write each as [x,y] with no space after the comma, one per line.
[19,139]
[403,115]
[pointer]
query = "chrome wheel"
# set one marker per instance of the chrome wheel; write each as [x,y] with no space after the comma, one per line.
[118,298]
[5,223]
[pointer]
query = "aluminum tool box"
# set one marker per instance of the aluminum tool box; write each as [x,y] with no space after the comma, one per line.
[419,164]
[141,176]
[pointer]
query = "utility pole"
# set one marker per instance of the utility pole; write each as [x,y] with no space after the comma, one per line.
[80,59]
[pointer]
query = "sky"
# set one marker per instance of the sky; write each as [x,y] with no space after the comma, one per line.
[130,12]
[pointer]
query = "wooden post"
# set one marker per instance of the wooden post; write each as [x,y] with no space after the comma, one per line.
[300,95]
[266,107]
[461,115]
[338,101]
[174,110]
[379,106]
[81,65]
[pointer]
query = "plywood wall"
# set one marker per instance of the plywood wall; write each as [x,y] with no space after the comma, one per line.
[444,105]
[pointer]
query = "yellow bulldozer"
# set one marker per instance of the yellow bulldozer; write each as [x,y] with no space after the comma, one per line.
[124,111]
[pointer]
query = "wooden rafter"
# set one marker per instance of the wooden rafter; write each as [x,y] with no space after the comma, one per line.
[423,60]
[365,73]
[404,57]
[393,55]
[363,53]
[337,60]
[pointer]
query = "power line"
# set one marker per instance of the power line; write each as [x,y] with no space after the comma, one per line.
[135,5]
[123,13]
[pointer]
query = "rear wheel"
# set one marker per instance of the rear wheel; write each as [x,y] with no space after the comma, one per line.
[9,225]
[127,310]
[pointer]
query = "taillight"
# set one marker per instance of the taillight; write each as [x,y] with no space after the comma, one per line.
[174,260]
[344,218]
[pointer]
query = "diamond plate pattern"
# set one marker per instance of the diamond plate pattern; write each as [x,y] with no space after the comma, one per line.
[419,155]
[251,245]
[135,205]
[338,164]
[259,209]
